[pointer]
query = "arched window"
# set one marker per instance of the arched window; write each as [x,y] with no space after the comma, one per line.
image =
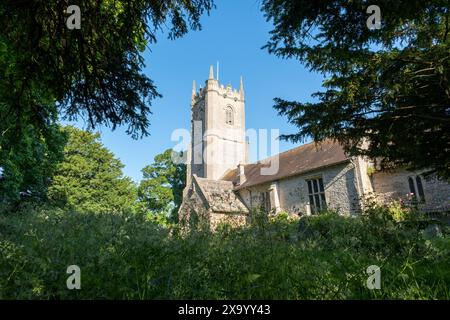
[229,117]
[420,188]
[416,187]
[412,188]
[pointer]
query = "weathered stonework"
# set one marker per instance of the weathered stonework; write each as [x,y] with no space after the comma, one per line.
[224,188]
[218,129]
[233,220]
[212,202]
[393,185]
[340,191]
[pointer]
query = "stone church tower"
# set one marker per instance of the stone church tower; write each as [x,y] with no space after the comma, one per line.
[218,141]
[222,187]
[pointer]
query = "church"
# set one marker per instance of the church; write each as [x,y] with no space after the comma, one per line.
[223,187]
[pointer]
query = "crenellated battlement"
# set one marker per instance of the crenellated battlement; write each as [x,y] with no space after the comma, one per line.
[213,85]
[217,128]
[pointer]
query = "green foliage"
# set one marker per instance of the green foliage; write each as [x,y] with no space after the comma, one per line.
[163,182]
[125,256]
[30,140]
[389,87]
[39,244]
[90,178]
[95,73]
[399,211]
[27,161]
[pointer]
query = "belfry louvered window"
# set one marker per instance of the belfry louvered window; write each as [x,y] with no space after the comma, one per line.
[316,194]
[229,116]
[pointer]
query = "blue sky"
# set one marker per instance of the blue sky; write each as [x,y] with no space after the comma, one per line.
[233,34]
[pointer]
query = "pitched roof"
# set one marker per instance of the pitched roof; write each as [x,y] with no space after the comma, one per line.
[220,197]
[302,159]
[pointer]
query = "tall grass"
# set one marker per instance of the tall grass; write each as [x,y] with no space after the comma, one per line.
[124,256]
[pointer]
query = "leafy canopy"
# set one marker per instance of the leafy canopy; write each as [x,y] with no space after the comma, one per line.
[163,183]
[389,87]
[28,159]
[94,72]
[48,72]
[90,178]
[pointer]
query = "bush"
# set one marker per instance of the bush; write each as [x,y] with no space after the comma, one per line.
[126,256]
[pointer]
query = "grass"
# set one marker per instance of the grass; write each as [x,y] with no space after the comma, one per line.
[124,256]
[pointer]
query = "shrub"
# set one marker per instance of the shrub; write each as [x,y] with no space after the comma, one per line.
[126,256]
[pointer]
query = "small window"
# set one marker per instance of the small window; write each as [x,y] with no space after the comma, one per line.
[412,188]
[266,201]
[316,194]
[229,119]
[416,187]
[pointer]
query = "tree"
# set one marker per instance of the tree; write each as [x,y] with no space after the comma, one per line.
[90,178]
[48,71]
[95,71]
[163,182]
[389,87]
[28,160]
[31,142]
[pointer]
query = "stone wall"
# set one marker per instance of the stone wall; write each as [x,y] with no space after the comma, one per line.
[220,196]
[234,220]
[210,202]
[220,145]
[340,186]
[254,196]
[393,185]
